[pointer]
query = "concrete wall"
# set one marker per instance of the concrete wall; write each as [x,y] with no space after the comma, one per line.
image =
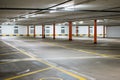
[38,29]
[7,29]
[113,31]
[22,30]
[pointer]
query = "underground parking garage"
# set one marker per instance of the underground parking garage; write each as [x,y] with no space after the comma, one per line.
[59,40]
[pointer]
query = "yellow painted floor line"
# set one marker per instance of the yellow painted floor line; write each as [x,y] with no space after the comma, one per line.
[103,55]
[19,49]
[27,74]
[41,60]
[64,71]
[71,74]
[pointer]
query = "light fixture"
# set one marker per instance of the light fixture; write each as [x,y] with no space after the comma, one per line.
[74,23]
[59,24]
[19,19]
[76,7]
[8,23]
[26,16]
[70,8]
[81,22]
[53,11]
[100,20]
[61,7]
[14,20]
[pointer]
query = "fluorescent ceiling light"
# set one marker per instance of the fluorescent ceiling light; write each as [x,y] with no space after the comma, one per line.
[26,16]
[81,22]
[62,6]
[59,24]
[8,23]
[105,20]
[19,19]
[14,20]
[74,23]
[100,21]
[53,11]
[75,7]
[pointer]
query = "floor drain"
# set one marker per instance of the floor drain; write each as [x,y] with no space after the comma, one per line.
[51,78]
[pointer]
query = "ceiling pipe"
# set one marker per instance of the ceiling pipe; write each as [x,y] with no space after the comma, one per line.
[38,9]
[23,9]
[60,4]
[49,8]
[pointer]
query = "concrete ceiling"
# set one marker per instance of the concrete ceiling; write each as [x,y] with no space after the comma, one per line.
[35,12]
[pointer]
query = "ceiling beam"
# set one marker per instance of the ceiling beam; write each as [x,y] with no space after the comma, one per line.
[23,9]
[47,9]
[38,9]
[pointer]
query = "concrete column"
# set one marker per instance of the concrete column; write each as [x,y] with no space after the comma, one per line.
[77,30]
[70,30]
[34,31]
[104,31]
[28,30]
[43,31]
[95,31]
[54,31]
[88,31]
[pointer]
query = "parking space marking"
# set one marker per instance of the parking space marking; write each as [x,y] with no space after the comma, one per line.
[64,71]
[66,58]
[24,59]
[6,61]
[80,50]
[4,54]
[43,61]
[30,73]
[31,56]
[53,78]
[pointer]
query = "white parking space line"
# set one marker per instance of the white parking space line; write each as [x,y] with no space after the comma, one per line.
[83,57]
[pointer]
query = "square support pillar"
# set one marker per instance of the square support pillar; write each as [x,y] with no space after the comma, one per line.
[70,30]
[77,30]
[88,31]
[28,30]
[34,31]
[54,31]
[43,31]
[104,31]
[95,31]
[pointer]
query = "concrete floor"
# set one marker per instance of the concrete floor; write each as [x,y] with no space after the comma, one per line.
[26,58]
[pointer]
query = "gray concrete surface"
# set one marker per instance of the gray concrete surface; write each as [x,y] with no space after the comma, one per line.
[26,58]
